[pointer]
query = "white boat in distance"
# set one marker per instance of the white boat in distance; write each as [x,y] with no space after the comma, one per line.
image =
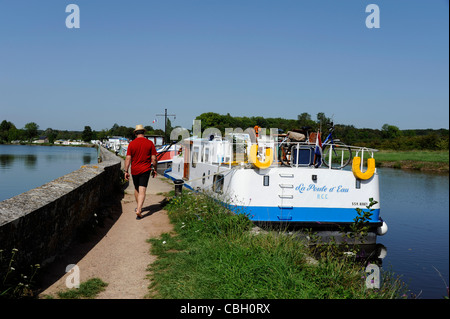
[280,179]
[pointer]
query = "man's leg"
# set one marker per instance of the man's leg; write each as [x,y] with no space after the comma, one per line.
[140,187]
[140,198]
[136,194]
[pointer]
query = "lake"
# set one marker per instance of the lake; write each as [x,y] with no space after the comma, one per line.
[24,167]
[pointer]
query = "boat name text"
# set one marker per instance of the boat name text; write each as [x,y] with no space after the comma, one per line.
[302,188]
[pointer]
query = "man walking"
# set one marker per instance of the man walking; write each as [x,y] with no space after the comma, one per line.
[141,154]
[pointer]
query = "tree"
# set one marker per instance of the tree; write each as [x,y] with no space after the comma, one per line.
[149,128]
[167,130]
[103,134]
[87,134]
[260,121]
[114,129]
[390,131]
[209,119]
[51,135]
[5,128]
[31,130]
[304,120]
[323,120]
[15,134]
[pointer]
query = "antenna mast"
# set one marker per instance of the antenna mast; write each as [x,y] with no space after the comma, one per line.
[165,122]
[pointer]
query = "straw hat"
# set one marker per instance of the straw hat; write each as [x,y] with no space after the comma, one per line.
[139,127]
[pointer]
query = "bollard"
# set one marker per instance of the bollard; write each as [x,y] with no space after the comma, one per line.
[178,186]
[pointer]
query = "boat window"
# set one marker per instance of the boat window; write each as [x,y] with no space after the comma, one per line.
[206,159]
[195,154]
[218,183]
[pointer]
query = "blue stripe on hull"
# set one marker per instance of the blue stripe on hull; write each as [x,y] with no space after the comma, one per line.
[173,179]
[302,214]
[296,214]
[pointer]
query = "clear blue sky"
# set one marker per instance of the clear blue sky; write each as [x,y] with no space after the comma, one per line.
[129,60]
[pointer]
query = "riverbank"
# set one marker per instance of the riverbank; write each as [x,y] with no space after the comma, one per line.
[213,254]
[427,161]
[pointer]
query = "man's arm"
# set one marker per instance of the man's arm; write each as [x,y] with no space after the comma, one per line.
[154,163]
[127,166]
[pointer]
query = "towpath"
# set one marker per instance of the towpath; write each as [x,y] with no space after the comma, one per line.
[118,253]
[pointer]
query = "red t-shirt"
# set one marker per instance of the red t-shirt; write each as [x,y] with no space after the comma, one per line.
[141,150]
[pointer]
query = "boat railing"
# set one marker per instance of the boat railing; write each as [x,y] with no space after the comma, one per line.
[327,152]
[238,153]
[358,149]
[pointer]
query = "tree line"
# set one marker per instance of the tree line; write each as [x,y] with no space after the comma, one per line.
[9,133]
[387,137]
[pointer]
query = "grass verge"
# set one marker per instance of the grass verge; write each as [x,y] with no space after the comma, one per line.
[416,160]
[212,255]
[87,290]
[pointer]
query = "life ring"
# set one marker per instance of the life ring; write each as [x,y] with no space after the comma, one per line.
[254,158]
[357,171]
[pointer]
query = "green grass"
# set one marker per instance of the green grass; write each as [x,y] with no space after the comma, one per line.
[87,290]
[433,161]
[421,156]
[212,255]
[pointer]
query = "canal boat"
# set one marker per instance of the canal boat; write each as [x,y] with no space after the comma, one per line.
[281,179]
[165,154]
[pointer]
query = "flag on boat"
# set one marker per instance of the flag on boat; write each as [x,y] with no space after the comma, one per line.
[318,150]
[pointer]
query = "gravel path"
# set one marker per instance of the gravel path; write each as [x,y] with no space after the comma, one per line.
[119,255]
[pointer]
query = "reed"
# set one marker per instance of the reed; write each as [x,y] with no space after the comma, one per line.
[16,283]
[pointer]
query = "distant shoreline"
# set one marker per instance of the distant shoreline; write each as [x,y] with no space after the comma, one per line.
[426,161]
[384,158]
[49,144]
[416,166]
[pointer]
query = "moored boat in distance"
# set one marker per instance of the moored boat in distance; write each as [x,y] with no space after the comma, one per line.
[283,179]
[165,156]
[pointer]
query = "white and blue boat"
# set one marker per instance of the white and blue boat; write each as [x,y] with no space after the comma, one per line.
[280,180]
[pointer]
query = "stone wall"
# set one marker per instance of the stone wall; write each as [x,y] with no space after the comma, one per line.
[42,222]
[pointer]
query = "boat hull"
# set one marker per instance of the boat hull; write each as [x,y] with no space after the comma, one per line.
[285,194]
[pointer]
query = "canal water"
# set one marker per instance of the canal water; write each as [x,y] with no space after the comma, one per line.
[415,206]
[24,167]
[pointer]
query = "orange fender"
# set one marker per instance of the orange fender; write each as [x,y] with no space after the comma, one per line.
[254,158]
[357,171]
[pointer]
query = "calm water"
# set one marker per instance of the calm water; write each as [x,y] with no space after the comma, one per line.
[416,208]
[24,167]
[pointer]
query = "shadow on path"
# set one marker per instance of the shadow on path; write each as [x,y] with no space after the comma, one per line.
[84,241]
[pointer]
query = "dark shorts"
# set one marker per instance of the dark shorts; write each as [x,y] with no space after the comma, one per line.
[141,180]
